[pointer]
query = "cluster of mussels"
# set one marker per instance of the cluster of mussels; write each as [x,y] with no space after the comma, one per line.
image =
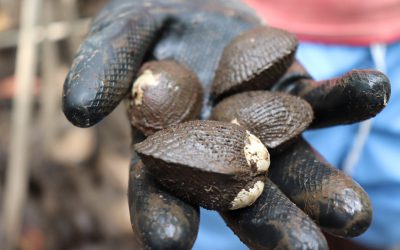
[262,101]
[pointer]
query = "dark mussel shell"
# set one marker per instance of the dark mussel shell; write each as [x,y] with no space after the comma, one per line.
[214,164]
[254,60]
[165,93]
[275,118]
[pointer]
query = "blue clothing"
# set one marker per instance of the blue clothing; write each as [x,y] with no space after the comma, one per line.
[215,235]
[376,170]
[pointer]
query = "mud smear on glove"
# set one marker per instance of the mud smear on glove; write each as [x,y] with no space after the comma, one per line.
[353,97]
[274,222]
[218,165]
[254,61]
[165,93]
[337,203]
[276,118]
[159,219]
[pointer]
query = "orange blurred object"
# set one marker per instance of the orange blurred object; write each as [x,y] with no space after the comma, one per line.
[8,88]
[32,239]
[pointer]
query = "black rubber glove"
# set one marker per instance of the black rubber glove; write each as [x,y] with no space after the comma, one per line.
[128,32]
[194,33]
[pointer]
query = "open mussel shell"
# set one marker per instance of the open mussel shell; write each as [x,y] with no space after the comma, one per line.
[164,93]
[217,165]
[337,203]
[274,222]
[254,60]
[275,118]
[159,220]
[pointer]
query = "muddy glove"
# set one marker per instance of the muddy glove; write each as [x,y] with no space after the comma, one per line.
[220,45]
[337,204]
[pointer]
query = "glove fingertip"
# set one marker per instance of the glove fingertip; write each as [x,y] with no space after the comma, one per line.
[79,106]
[159,219]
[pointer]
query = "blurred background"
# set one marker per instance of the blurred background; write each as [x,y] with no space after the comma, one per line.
[61,187]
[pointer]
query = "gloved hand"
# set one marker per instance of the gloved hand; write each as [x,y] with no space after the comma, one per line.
[194,34]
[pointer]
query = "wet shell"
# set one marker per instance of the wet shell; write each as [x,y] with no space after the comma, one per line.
[275,118]
[336,202]
[159,219]
[274,222]
[217,165]
[254,60]
[165,93]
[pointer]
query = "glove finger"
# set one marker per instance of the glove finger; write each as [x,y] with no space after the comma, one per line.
[353,97]
[337,203]
[106,63]
[277,119]
[159,219]
[274,222]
